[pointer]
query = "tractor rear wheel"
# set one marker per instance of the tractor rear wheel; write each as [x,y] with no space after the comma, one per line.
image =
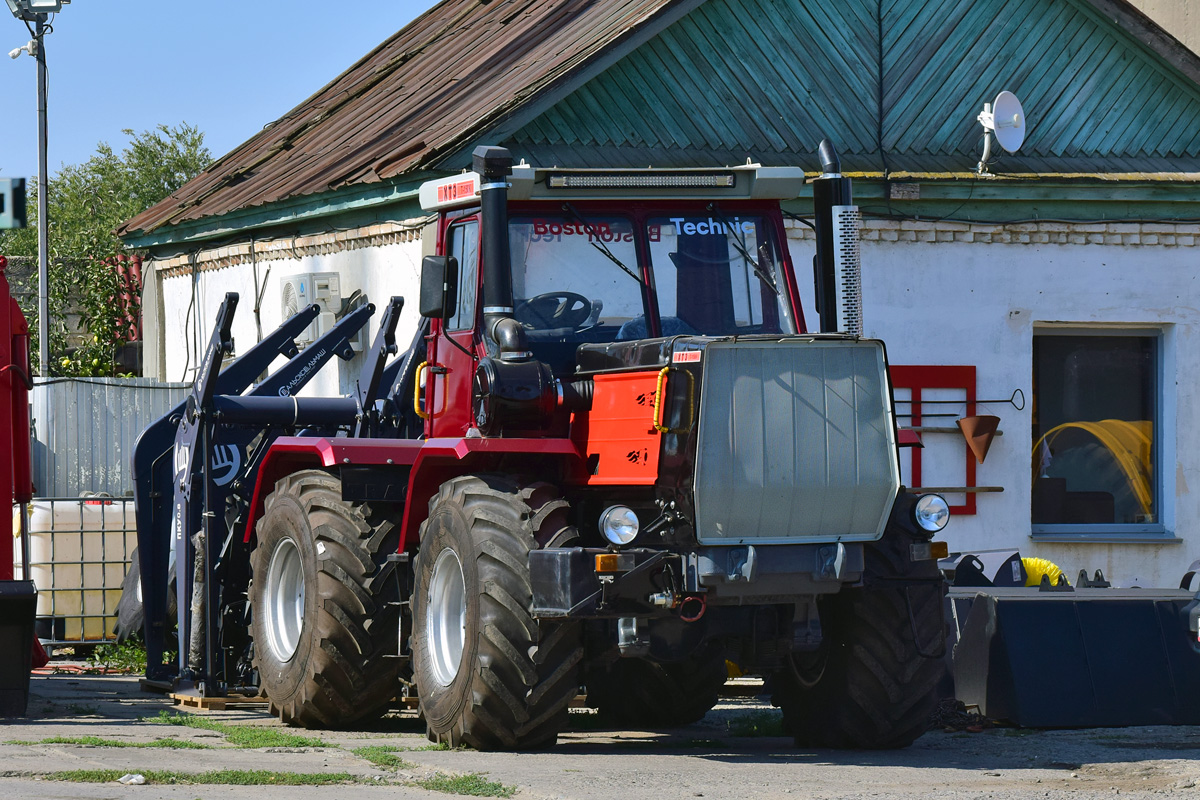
[873,684]
[634,691]
[488,674]
[325,604]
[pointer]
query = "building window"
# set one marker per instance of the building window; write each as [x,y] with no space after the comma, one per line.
[1096,416]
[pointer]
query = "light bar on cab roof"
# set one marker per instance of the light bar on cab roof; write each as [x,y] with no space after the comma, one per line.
[616,180]
[745,182]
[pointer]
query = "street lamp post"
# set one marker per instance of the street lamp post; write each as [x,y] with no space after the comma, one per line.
[36,11]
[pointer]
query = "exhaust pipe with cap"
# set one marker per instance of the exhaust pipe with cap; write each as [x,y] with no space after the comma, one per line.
[836,270]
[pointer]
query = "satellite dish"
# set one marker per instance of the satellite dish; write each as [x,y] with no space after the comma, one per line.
[1005,119]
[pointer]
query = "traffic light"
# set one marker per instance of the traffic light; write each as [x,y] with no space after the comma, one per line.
[12,203]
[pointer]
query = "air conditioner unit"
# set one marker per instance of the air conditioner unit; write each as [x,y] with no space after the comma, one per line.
[300,291]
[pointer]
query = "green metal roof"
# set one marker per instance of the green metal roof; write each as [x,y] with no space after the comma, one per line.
[896,84]
[767,79]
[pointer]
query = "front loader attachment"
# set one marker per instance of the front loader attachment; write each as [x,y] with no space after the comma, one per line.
[230,461]
[220,437]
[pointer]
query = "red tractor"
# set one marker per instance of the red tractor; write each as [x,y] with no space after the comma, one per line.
[615,458]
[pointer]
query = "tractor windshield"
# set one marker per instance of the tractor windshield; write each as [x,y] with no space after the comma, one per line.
[717,275]
[578,276]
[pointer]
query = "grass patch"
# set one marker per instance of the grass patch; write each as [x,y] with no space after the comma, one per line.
[756,723]
[430,748]
[245,736]
[96,741]
[129,656]
[473,785]
[1019,731]
[382,756]
[224,777]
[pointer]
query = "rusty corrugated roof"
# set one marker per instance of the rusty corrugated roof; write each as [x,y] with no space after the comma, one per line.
[458,69]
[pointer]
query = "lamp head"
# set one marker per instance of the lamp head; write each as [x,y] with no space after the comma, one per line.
[31,9]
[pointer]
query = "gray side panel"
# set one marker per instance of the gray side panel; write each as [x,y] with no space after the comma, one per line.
[796,442]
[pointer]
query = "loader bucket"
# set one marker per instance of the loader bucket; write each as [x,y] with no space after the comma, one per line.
[1075,658]
[18,603]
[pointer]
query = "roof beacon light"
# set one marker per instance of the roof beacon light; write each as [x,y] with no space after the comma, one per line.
[664,180]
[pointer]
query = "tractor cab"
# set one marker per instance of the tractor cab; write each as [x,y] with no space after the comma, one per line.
[595,257]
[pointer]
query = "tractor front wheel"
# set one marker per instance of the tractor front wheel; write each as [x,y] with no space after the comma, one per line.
[324,604]
[873,682]
[488,674]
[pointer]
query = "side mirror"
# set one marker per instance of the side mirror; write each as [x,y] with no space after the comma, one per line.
[439,286]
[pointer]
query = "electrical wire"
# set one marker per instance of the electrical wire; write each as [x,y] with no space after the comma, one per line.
[187,364]
[800,219]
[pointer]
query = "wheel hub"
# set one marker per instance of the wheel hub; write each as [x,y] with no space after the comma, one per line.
[446,617]
[285,600]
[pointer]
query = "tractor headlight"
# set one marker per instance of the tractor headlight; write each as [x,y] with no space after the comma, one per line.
[931,512]
[619,524]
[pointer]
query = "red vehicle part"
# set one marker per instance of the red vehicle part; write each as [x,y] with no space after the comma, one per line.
[15,472]
[618,434]
[433,461]
[18,599]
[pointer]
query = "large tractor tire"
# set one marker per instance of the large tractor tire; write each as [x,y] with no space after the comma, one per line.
[131,614]
[488,674]
[637,692]
[873,684]
[325,613]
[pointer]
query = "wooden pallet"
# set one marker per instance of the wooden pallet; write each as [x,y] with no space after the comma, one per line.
[198,703]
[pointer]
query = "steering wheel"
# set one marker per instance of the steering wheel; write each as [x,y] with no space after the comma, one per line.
[554,310]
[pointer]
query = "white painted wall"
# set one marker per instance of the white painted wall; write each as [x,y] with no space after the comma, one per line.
[944,295]
[380,272]
[953,302]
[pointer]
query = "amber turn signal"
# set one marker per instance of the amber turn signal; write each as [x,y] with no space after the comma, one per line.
[607,562]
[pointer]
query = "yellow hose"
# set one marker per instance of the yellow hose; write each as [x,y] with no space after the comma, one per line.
[1035,568]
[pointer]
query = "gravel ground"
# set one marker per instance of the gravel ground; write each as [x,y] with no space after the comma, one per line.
[717,759]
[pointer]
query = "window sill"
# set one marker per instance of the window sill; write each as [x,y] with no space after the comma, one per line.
[1101,534]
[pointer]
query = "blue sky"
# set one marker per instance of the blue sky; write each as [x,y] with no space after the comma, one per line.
[228,68]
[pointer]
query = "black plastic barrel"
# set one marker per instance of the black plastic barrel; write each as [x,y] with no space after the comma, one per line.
[18,603]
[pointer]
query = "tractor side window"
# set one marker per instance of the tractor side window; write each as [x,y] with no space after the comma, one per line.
[717,275]
[464,245]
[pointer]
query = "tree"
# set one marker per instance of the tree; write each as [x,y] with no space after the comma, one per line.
[86,204]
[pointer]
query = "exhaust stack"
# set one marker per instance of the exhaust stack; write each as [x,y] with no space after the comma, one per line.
[836,267]
[494,165]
